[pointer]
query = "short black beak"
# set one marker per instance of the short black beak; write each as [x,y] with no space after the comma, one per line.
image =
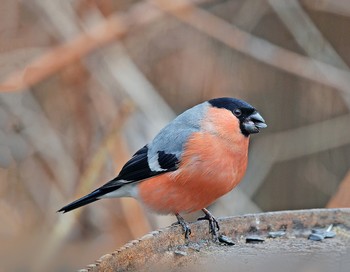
[254,123]
[258,120]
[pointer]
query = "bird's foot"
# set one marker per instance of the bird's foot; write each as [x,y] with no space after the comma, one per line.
[185,226]
[213,224]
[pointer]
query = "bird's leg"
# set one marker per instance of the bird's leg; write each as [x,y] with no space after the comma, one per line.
[185,226]
[213,223]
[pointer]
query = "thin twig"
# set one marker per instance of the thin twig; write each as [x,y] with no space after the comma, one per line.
[308,36]
[300,142]
[255,47]
[339,7]
[341,199]
[111,29]
[64,225]
[51,148]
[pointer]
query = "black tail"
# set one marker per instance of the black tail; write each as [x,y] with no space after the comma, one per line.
[92,197]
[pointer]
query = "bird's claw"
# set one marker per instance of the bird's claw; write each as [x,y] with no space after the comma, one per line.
[185,226]
[212,221]
[213,224]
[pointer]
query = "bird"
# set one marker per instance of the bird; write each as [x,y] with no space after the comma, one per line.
[198,157]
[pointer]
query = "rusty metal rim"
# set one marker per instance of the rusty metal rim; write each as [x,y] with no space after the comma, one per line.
[296,220]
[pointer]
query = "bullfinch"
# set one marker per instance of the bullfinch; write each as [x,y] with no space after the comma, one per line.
[198,157]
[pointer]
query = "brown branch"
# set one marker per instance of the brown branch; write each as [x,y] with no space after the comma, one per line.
[307,35]
[301,142]
[341,199]
[111,29]
[116,26]
[255,47]
[65,224]
[340,7]
[72,51]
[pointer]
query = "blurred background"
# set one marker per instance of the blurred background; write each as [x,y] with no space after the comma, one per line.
[86,83]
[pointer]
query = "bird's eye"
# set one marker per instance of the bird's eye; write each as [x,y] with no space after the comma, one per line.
[237,112]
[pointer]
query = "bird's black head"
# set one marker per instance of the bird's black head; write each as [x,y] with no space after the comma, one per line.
[250,120]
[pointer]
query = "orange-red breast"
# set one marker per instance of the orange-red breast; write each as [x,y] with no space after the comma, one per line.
[198,157]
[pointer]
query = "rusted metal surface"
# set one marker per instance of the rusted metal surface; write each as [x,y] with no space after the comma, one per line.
[167,250]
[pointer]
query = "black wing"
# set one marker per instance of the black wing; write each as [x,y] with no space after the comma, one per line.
[137,168]
[134,170]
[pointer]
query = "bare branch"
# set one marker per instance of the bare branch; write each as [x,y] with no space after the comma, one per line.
[301,142]
[308,36]
[341,199]
[339,7]
[255,47]
[111,29]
